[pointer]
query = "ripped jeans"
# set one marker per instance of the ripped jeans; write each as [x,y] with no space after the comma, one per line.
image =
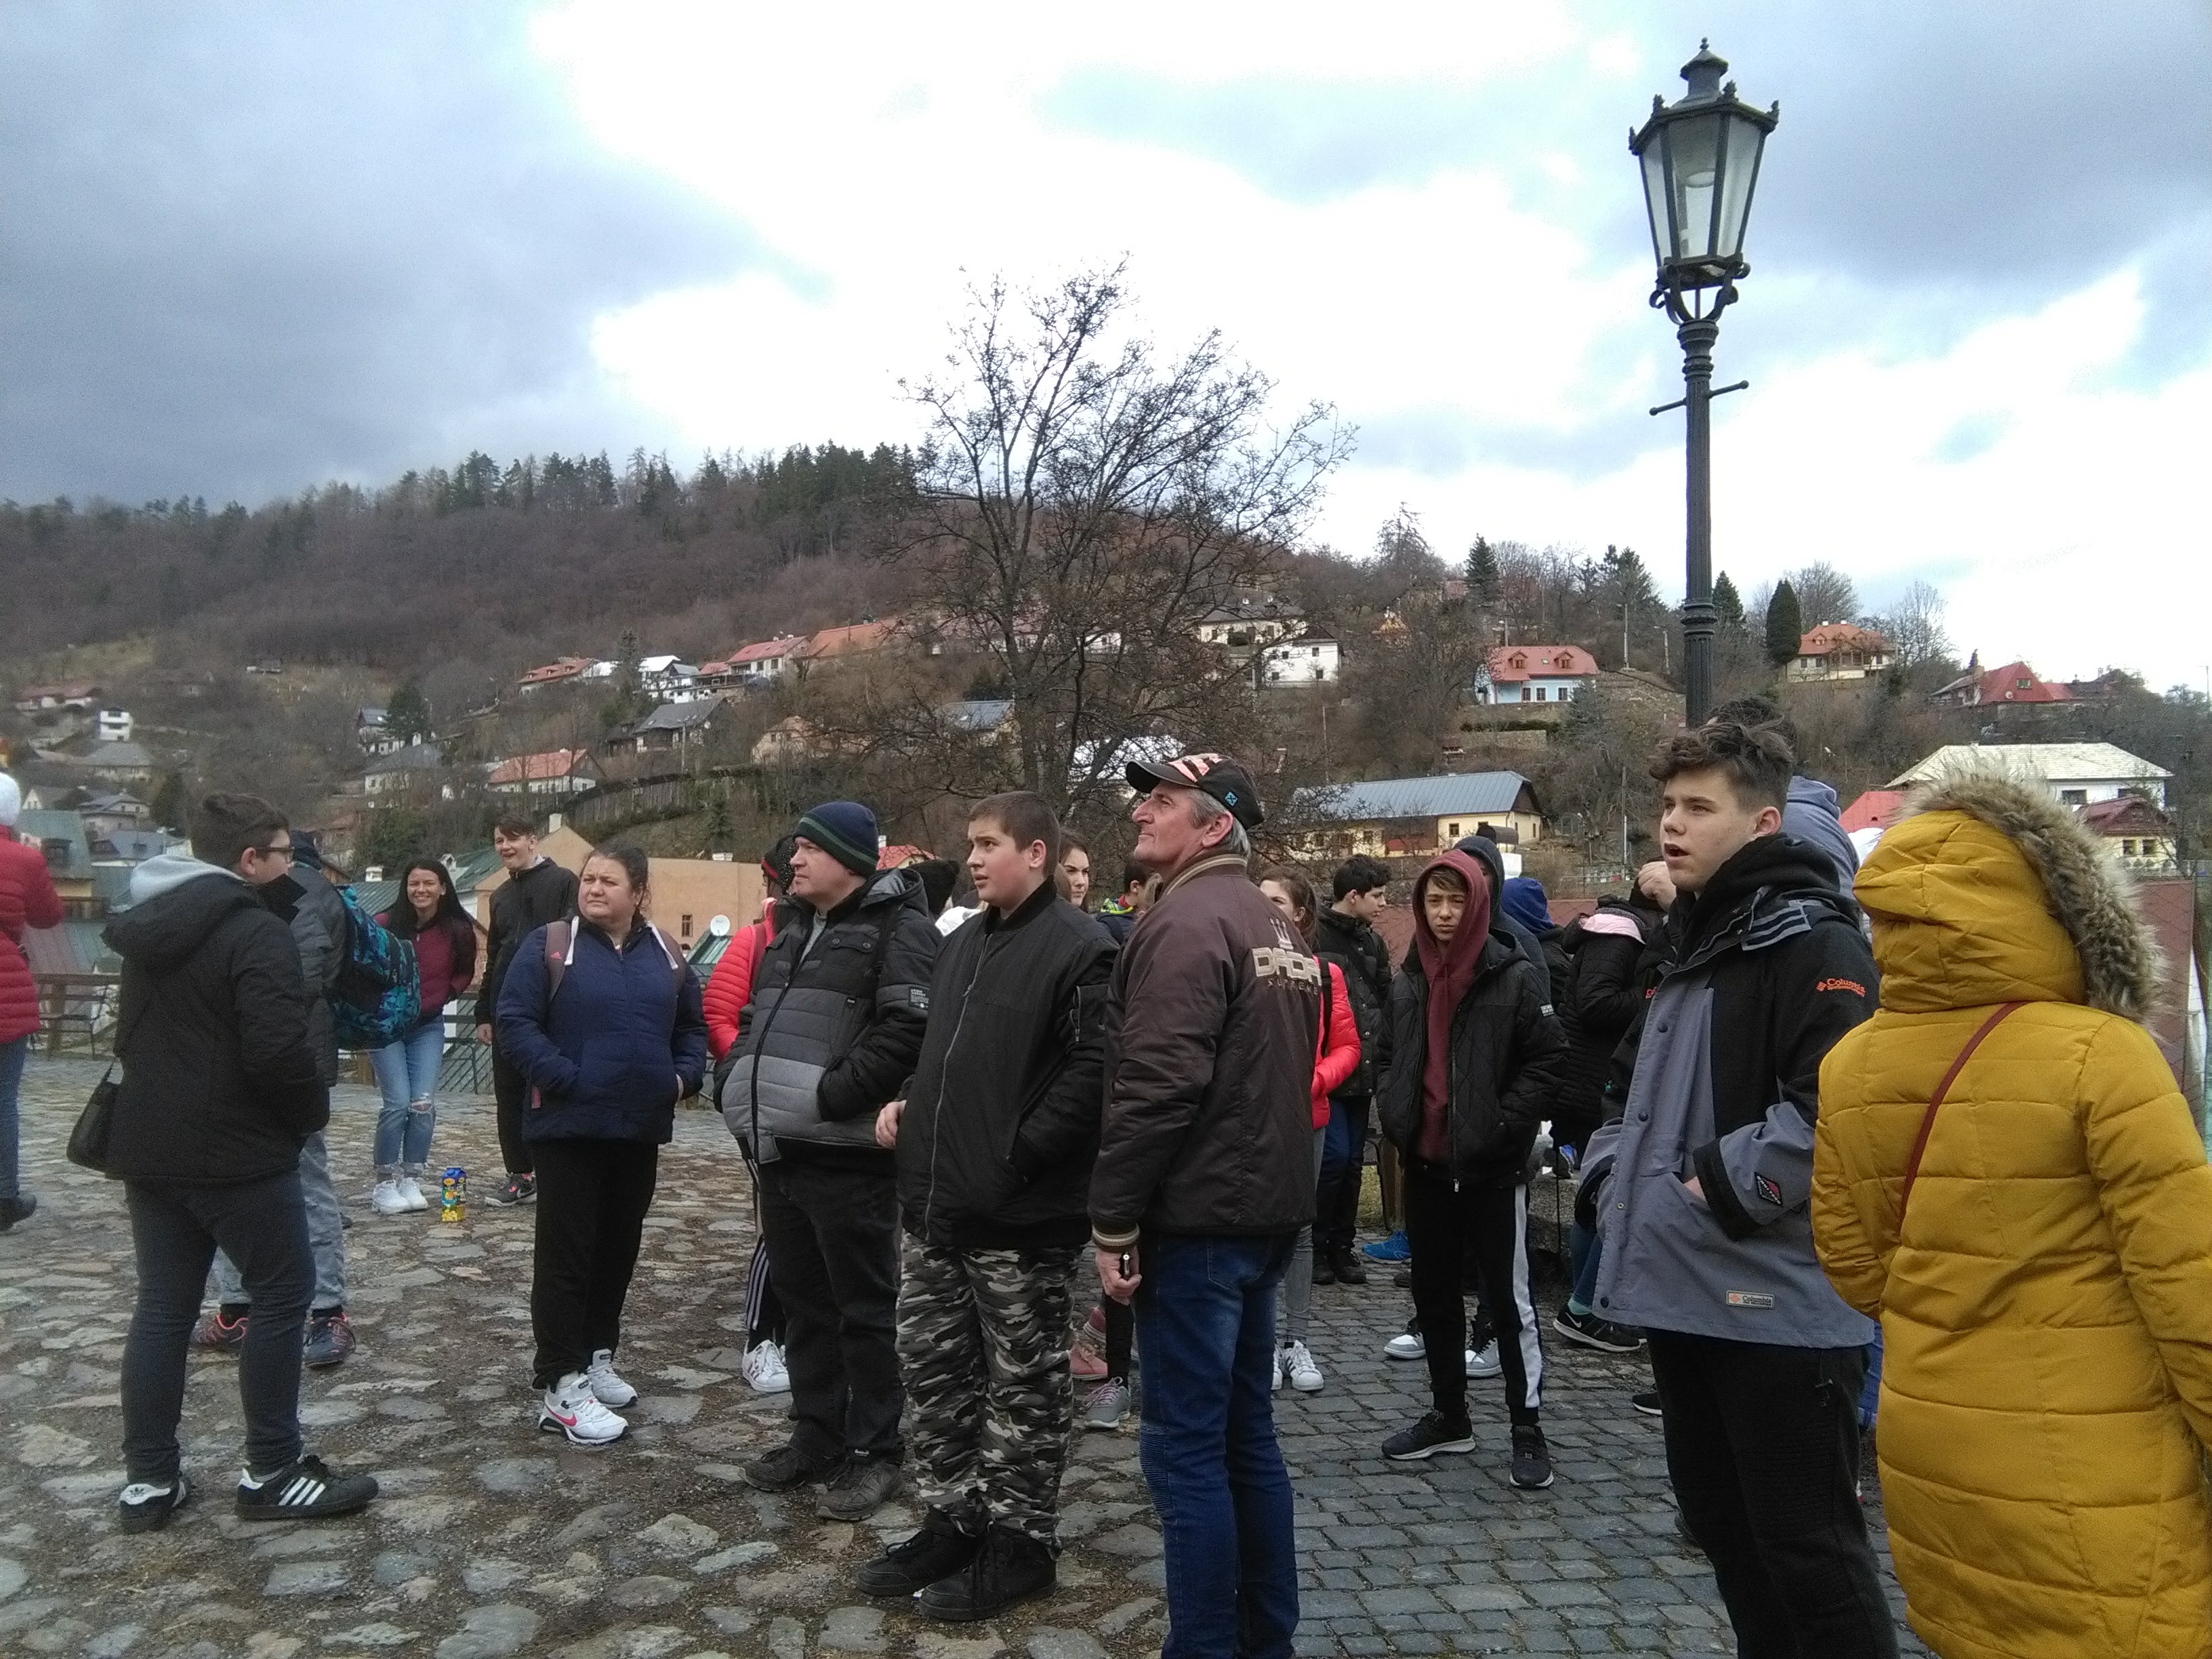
[407,1074]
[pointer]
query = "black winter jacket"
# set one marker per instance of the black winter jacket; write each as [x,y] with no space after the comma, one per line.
[219,1084]
[1355,947]
[318,928]
[1001,1121]
[1606,985]
[832,1033]
[1508,1054]
[519,906]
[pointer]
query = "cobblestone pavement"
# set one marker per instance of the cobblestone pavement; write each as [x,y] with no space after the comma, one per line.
[492,1540]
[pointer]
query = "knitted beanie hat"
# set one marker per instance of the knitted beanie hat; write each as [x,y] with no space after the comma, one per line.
[846,830]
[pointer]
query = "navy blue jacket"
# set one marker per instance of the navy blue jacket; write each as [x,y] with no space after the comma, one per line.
[603,1056]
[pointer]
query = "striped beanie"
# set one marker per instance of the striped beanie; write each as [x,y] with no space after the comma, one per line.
[846,830]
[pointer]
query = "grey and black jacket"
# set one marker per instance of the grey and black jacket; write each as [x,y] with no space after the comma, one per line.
[1001,1123]
[1720,1080]
[834,1027]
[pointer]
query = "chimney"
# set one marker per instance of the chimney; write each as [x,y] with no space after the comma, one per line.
[552,821]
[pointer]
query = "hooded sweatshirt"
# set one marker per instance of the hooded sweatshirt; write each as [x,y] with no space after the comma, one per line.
[1811,815]
[1450,970]
[219,1083]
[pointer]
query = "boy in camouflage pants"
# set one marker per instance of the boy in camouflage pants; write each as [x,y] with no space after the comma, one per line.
[996,1141]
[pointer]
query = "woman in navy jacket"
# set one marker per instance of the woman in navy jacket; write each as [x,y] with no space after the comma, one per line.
[602,1016]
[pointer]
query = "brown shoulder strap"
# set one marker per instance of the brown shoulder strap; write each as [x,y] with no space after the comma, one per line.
[1936,1100]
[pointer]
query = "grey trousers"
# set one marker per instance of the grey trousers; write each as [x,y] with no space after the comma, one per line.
[325,1236]
[1297,1277]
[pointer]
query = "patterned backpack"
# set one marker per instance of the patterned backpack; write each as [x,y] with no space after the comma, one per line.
[378,998]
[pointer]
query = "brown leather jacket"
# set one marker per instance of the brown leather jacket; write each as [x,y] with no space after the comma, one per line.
[1210,1025]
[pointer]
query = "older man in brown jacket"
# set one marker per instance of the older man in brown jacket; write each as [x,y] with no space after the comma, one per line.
[1205,1175]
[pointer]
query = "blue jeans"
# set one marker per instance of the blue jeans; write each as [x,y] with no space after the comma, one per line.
[407,1072]
[1206,1321]
[1585,1253]
[11,1080]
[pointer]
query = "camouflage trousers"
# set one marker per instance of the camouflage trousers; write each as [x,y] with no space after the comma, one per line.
[983,1341]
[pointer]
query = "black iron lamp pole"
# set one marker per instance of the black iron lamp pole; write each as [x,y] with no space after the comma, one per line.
[1700,163]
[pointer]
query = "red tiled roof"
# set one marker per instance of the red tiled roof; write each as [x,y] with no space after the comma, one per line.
[898,855]
[782,646]
[2124,814]
[567,668]
[539,768]
[844,641]
[1831,637]
[1512,664]
[2004,685]
[1875,810]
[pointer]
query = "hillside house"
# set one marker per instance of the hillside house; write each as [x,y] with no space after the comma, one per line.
[112,725]
[674,725]
[2013,683]
[1839,651]
[1534,673]
[2075,774]
[667,678]
[755,665]
[411,766]
[1302,661]
[61,840]
[857,640]
[42,699]
[1389,816]
[2142,836]
[176,682]
[371,735]
[790,740]
[550,772]
[558,672]
[984,719]
[1247,621]
[1877,809]
[106,810]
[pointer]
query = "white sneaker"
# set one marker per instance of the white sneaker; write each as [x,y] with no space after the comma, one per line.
[607,1388]
[568,1408]
[1407,1344]
[413,1193]
[388,1199]
[1296,1362]
[765,1370]
[1482,1361]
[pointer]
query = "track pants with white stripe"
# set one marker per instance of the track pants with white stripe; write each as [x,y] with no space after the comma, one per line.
[1488,1228]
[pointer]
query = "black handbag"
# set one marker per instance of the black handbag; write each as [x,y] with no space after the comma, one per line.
[87,1142]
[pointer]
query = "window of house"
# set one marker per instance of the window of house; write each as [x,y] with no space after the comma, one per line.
[1455,834]
[2126,850]
[687,926]
[1540,694]
[56,852]
[2073,798]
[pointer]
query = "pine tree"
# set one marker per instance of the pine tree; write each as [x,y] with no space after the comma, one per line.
[169,802]
[407,715]
[1485,585]
[1728,605]
[1785,626]
[719,829]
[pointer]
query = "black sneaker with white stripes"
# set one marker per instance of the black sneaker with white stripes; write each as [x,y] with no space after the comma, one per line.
[308,1490]
[144,1506]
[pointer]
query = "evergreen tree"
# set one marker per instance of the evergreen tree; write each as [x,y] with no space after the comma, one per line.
[169,802]
[407,715]
[1785,626]
[1485,583]
[1728,604]
[719,829]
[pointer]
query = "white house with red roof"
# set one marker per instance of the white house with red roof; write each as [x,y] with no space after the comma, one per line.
[550,772]
[555,672]
[1840,651]
[2015,681]
[1535,674]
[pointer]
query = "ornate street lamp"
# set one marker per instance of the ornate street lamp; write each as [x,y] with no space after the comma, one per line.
[1700,158]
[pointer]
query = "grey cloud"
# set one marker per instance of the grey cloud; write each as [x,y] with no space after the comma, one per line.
[249,247]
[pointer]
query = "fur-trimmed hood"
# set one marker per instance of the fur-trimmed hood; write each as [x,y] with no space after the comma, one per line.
[1987,892]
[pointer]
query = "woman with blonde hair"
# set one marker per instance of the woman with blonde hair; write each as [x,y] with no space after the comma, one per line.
[2005,1174]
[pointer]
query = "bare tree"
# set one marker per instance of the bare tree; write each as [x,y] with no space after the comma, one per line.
[1914,626]
[1825,594]
[1079,506]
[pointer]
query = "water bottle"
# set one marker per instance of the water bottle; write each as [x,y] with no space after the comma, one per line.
[453,1194]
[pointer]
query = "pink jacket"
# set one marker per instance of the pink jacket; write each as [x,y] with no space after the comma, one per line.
[1336,1052]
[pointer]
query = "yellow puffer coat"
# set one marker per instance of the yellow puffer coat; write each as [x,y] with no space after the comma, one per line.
[2047,1314]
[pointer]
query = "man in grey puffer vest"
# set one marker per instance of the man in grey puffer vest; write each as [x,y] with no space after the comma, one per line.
[318,928]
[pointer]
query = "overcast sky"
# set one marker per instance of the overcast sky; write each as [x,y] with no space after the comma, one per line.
[247,248]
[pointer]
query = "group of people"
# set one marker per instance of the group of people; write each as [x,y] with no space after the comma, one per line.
[1794,1102]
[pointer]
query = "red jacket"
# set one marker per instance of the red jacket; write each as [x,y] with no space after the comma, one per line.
[730,986]
[28,900]
[1336,1049]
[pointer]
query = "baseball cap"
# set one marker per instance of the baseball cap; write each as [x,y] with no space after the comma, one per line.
[1216,776]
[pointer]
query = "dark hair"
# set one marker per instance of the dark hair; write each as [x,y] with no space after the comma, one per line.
[400,918]
[1755,759]
[1360,874]
[627,854]
[1026,817]
[1134,874]
[1072,842]
[514,823]
[939,878]
[1449,875]
[1301,891]
[226,826]
[1755,710]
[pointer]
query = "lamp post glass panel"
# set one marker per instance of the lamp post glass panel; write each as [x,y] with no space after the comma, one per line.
[1700,161]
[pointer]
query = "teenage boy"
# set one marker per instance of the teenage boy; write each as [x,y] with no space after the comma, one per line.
[1346,935]
[1120,914]
[537,891]
[1476,1054]
[1700,1184]
[830,1038]
[219,1094]
[996,1141]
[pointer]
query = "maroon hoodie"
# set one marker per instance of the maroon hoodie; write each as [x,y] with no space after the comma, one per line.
[1450,970]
